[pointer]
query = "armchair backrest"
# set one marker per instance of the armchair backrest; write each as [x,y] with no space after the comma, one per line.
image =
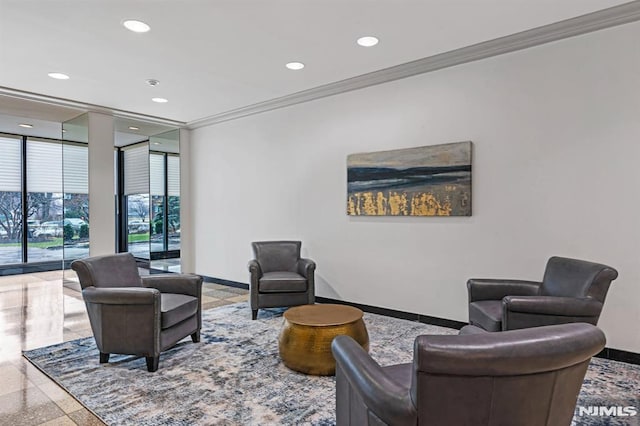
[277,255]
[113,270]
[576,278]
[529,377]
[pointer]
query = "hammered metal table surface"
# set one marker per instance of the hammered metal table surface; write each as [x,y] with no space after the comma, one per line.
[307,333]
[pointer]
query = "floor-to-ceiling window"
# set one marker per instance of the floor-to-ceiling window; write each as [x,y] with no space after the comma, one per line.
[164,177]
[148,197]
[10,199]
[75,173]
[157,184]
[45,216]
[136,205]
[164,160]
[173,200]
[44,204]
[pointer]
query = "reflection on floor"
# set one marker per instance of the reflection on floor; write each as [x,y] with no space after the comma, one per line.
[167,265]
[43,309]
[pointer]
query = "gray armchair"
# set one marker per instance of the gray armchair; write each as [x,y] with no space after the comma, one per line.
[523,377]
[279,276]
[135,315]
[571,291]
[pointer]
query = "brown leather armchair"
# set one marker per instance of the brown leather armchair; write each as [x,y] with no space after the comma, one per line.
[572,290]
[524,377]
[135,315]
[279,276]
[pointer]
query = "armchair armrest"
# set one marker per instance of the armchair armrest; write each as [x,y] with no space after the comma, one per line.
[121,296]
[306,267]
[188,284]
[381,394]
[254,268]
[496,289]
[553,305]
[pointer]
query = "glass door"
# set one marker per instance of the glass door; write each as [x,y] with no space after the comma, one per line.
[164,160]
[75,186]
[136,201]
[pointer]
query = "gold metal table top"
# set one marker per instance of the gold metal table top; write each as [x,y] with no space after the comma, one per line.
[322,315]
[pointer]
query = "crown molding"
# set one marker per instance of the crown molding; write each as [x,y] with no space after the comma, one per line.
[606,18]
[83,107]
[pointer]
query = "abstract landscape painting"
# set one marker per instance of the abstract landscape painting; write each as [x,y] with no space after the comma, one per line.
[425,181]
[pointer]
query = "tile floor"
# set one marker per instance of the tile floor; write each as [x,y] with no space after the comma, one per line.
[43,309]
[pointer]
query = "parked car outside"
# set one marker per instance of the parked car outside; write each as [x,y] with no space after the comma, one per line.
[32,226]
[49,229]
[137,227]
[33,223]
[75,223]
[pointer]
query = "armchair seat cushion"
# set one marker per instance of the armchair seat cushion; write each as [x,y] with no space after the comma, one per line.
[486,314]
[175,308]
[282,282]
[471,329]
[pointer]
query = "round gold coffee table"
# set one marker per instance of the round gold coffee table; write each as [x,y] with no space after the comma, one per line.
[305,339]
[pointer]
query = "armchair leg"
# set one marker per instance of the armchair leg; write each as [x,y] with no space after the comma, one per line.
[152,363]
[254,314]
[195,337]
[104,358]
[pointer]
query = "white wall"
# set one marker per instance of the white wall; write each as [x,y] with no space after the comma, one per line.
[556,133]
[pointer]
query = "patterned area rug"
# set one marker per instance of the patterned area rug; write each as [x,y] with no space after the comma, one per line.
[235,377]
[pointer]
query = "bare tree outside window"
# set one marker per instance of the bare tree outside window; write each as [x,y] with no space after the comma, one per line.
[11,216]
[139,208]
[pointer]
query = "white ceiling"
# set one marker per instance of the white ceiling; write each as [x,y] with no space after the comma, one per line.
[215,56]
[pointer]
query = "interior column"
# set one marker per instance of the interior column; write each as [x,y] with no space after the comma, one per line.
[101,184]
[186,214]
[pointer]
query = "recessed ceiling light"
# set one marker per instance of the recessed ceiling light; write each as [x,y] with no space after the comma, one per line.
[160,100]
[136,26]
[156,143]
[58,76]
[26,126]
[295,66]
[367,41]
[133,128]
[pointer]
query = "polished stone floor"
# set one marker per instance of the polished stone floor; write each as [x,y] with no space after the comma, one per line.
[43,309]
